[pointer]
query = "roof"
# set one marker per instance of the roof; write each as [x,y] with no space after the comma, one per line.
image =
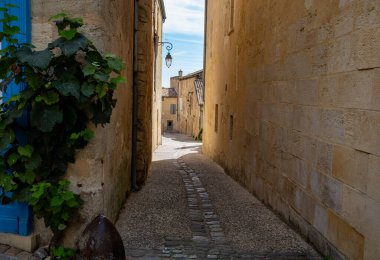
[169,92]
[197,73]
[199,91]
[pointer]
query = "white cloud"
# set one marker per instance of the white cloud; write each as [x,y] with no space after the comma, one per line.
[184,16]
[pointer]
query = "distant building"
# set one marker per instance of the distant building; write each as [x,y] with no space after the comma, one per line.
[190,91]
[169,110]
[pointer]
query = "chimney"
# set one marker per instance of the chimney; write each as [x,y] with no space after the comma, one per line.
[180,73]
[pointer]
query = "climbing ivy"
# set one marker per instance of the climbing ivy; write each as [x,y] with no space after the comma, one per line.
[70,85]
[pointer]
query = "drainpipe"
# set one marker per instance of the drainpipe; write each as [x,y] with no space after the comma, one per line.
[135,100]
[204,54]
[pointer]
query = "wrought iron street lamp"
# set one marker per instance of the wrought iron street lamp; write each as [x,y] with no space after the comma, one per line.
[168,58]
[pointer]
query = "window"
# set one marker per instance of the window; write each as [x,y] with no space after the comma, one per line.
[216,117]
[231,126]
[173,109]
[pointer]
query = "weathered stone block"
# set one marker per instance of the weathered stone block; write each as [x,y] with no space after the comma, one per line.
[344,23]
[345,237]
[374,177]
[320,219]
[306,92]
[326,189]
[361,130]
[332,124]
[362,212]
[367,13]
[367,48]
[351,167]
[341,55]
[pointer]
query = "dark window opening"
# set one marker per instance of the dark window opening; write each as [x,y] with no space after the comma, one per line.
[169,125]
[173,109]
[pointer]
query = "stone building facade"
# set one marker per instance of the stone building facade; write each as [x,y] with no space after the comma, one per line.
[102,174]
[159,19]
[293,113]
[169,110]
[190,102]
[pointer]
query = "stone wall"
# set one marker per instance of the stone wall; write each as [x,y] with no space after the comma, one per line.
[189,110]
[167,115]
[157,85]
[101,173]
[293,113]
[145,81]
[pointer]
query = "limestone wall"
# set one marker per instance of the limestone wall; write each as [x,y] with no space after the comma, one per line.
[296,86]
[188,108]
[166,115]
[102,172]
[145,83]
[157,103]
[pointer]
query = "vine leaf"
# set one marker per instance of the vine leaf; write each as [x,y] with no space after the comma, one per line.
[101,76]
[118,80]
[50,98]
[45,118]
[68,86]
[6,137]
[13,158]
[87,89]
[67,34]
[40,59]
[25,151]
[70,47]
[56,201]
[33,162]
[115,64]
[88,70]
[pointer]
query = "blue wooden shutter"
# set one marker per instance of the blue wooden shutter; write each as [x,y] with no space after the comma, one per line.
[16,217]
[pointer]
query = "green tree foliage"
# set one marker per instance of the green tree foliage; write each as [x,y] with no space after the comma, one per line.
[69,86]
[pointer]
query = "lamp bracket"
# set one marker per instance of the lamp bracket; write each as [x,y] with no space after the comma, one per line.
[169,47]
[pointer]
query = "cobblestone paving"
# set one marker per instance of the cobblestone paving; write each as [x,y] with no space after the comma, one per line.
[207,239]
[190,209]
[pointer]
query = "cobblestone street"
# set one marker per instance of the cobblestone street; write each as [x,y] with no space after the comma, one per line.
[190,209]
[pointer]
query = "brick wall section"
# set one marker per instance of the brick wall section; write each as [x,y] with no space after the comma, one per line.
[102,171]
[302,81]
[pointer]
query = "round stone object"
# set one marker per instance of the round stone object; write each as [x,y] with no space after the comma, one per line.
[100,240]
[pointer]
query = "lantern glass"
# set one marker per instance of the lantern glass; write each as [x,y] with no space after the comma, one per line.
[168,60]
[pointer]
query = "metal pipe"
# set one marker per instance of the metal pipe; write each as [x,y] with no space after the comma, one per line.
[204,54]
[135,101]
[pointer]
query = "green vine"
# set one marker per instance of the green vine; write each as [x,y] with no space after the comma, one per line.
[69,85]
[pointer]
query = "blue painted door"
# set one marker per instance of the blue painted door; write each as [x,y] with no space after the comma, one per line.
[16,217]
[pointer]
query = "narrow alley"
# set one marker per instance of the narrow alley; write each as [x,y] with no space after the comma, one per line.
[190,209]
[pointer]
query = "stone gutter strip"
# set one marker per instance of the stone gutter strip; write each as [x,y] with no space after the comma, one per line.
[11,253]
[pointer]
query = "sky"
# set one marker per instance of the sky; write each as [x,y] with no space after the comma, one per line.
[184,28]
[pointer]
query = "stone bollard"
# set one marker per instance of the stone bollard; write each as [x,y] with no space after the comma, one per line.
[100,241]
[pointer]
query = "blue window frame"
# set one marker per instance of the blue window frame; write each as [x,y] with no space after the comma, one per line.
[16,218]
